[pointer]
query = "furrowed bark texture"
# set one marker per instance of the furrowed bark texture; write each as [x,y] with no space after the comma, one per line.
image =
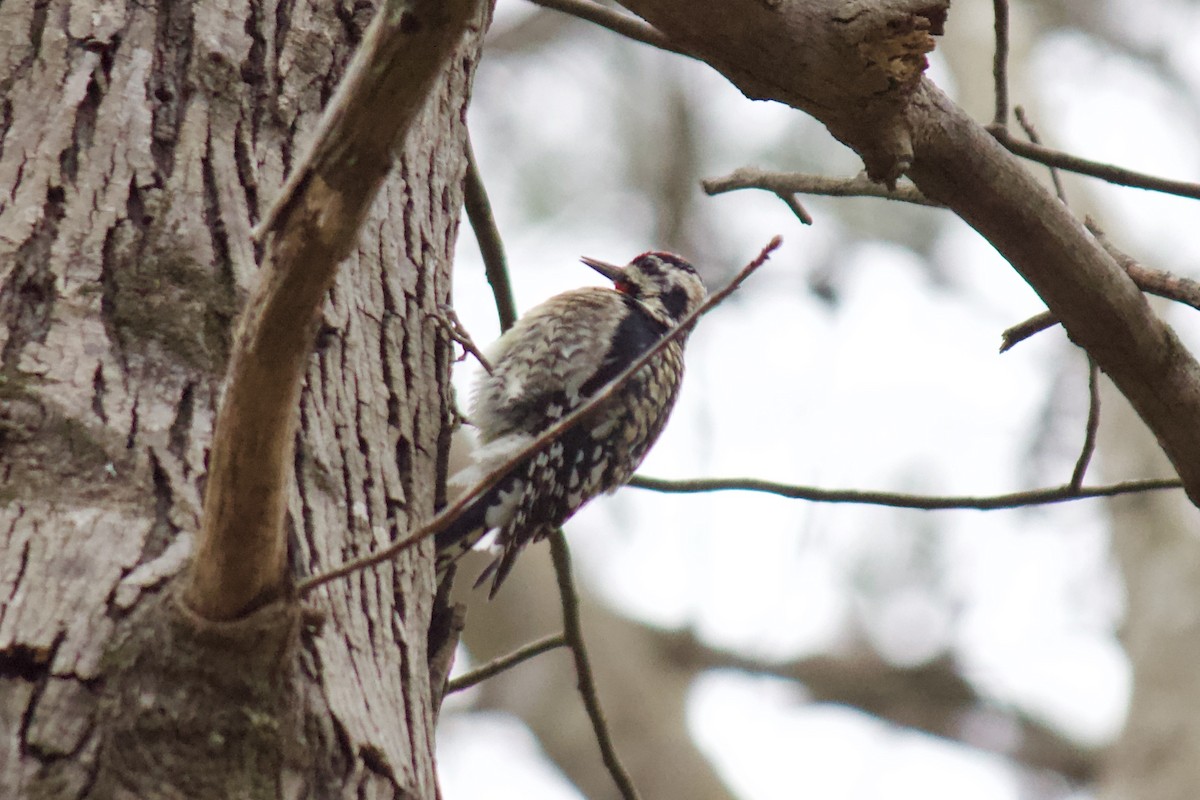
[857,67]
[138,145]
[312,226]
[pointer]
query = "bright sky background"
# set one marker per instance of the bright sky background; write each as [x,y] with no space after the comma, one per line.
[898,387]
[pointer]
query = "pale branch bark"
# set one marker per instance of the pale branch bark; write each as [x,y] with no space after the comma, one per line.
[447,515]
[790,183]
[920,502]
[858,68]
[240,560]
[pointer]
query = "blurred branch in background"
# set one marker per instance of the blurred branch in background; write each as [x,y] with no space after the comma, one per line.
[932,697]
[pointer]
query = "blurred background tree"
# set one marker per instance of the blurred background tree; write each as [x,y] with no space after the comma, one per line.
[750,646]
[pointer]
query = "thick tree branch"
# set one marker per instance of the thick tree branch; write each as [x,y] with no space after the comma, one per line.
[825,56]
[850,63]
[312,226]
[1101,308]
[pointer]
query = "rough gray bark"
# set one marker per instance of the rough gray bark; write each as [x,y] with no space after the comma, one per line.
[138,146]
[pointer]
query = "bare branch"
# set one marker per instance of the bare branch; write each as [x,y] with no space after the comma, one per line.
[1032,497]
[1091,429]
[447,515]
[1152,281]
[573,633]
[615,21]
[1023,330]
[498,665]
[491,246]
[790,183]
[1000,64]
[1032,133]
[1096,169]
[313,225]
[448,318]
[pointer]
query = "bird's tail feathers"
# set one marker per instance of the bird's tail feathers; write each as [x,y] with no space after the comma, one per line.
[490,511]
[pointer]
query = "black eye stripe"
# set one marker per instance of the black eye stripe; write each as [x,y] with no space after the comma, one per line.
[675,302]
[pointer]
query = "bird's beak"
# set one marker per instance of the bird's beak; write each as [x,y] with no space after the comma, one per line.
[609,271]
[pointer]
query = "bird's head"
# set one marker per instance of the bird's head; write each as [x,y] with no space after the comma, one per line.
[664,284]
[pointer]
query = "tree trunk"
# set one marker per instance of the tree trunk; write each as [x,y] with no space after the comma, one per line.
[139,144]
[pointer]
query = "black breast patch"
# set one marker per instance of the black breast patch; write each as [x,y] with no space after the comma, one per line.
[635,334]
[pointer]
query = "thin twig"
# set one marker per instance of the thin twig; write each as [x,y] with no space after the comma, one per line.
[1033,497]
[498,665]
[1023,330]
[628,26]
[791,183]
[791,201]
[1032,133]
[1096,169]
[1091,429]
[491,246]
[1000,64]
[448,515]
[447,317]
[586,681]
[1151,281]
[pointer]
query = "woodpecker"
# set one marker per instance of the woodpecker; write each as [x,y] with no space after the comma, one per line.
[551,361]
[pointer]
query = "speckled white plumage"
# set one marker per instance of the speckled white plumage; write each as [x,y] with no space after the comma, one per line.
[545,366]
